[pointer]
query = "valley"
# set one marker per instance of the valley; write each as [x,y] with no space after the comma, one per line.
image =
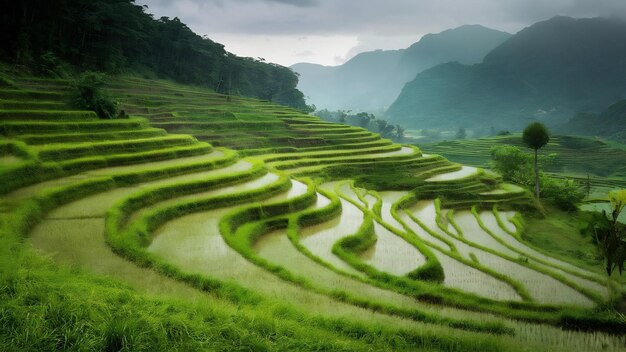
[279,228]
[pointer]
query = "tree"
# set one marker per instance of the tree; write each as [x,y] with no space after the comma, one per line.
[610,234]
[384,127]
[342,116]
[461,133]
[516,166]
[399,132]
[54,37]
[513,164]
[364,119]
[535,136]
[90,95]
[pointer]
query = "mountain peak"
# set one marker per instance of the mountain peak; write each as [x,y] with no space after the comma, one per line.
[372,80]
[549,71]
[560,38]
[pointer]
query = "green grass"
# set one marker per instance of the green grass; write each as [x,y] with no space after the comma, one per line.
[46,115]
[577,157]
[559,234]
[153,179]
[36,139]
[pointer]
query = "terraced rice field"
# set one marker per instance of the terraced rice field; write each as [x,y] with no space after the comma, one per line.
[580,158]
[228,200]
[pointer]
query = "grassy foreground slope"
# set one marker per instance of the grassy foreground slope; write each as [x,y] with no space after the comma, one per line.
[222,223]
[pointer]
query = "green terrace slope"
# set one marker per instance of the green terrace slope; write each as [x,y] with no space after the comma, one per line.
[576,157]
[236,224]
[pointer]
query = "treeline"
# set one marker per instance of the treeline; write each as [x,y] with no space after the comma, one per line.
[365,120]
[119,36]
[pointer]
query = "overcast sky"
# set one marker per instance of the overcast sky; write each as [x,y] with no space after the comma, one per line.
[329,32]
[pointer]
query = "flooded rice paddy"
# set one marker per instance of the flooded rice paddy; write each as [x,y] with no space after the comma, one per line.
[464,172]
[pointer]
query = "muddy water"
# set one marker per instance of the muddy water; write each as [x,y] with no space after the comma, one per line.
[468,279]
[489,220]
[505,188]
[392,254]
[425,211]
[541,287]
[332,160]
[193,243]
[240,187]
[320,238]
[446,223]
[277,249]
[97,205]
[506,217]
[475,234]
[80,243]
[370,201]
[157,164]
[457,274]
[402,151]
[30,191]
[346,191]
[389,198]
[455,175]
[297,189]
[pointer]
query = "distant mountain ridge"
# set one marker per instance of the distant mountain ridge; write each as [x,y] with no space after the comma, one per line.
[548,72]
[609,123]
[373,80]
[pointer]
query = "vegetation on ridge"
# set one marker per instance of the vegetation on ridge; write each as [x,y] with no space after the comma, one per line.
[119,36]
[191,227]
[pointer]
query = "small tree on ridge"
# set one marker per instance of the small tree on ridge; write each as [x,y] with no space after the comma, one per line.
[536,136]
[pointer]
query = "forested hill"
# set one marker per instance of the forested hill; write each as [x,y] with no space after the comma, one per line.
[548,72]
[119,36]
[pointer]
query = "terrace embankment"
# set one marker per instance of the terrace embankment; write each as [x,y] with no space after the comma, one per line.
[254,206]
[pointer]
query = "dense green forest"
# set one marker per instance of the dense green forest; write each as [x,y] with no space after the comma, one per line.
[52,37]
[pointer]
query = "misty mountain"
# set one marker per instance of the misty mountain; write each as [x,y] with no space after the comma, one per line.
[547,72]
[373,80]
[609,123]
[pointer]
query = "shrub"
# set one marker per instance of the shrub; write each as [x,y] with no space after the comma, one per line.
[49,65]
[516,166]
[90,95]
[513,164]
[564,193]
[6,82]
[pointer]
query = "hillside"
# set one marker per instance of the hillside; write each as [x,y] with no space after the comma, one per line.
[610,123]
[56,39]
[371,81]
[547,72]
[575,157]
[212,222]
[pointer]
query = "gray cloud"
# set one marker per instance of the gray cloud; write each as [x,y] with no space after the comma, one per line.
[369,16]
[299,3]
[373,22]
